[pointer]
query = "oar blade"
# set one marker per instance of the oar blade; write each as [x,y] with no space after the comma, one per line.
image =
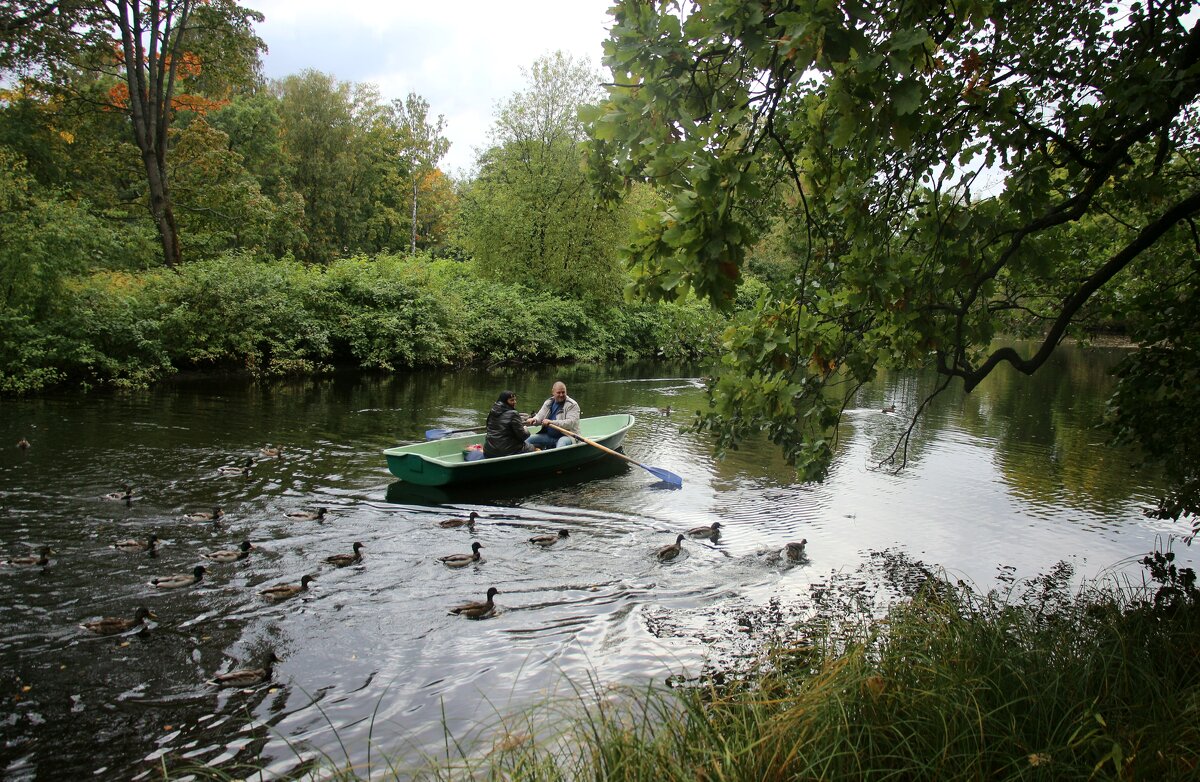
[436,434]
[666,476]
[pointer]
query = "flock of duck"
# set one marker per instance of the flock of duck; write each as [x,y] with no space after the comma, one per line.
[109,625]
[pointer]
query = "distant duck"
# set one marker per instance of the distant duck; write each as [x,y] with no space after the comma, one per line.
[477,610]
[467,522]
[794,552]
[214,515]
[269,451]
[41,560]
[230,555]
[112,625]
[136,546]
[546,541]
[668,553]
[889,409]
[284,591]
[343,560]
[665,410]
[180,580]
[22,443]
[125,495]
[306,515]
[713,531]
[462,560]
[232,469]
[245,677]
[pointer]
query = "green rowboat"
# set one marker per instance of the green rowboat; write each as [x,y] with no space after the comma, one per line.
[443,462]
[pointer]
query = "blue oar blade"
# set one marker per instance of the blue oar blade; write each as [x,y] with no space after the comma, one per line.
[666,476]
[436,434]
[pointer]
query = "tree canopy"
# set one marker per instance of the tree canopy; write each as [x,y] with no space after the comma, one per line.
[933,175]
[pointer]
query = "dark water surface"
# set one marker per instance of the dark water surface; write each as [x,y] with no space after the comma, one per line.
[1000,484]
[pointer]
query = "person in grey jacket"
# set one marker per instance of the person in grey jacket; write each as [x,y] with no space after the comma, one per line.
[563,411]
[506,433]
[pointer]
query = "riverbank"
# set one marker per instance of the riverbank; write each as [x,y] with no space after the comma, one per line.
[274,318]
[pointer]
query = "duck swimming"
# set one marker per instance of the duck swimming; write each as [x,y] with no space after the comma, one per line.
[111,625]
[22,443]
[41,560]
[668,553]
[180,580]
[467,522]
[269,451]
[304,515]
[135,546]
[214,515]
[125,495]
[244,677]
[230,555]
[342,560]
[795,551]
[712,531]
[477,610]
[462,560]
[546,541]
[230,469]
[284,591]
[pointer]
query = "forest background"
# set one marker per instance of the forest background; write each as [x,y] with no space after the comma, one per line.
[165,208]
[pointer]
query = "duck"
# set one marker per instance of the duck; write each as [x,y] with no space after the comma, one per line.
[42,559]
[125,495]
[135,546]
[668,553]
[232,469]
[794,552]
[111,625]
[713,531]
[284,591]
[665,410]
[889,409]
[477,610]
[545,541]
[307,515]
[22,443]
[269,451]
[214,515]
[230,555]
[244,677]
[462,560]
[467,522]
[342,560]
[179,580]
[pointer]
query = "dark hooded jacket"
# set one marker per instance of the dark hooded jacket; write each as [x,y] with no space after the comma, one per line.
[505,431]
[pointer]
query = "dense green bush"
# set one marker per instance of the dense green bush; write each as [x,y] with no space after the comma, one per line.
[275,317]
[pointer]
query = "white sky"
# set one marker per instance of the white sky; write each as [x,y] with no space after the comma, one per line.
[464,57]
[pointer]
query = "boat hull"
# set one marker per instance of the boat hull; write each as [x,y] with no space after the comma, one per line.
[442,463]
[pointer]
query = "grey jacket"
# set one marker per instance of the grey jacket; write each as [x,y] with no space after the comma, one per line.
[505,431]
[568,418]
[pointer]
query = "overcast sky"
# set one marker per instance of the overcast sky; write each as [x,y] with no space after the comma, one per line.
[464,57]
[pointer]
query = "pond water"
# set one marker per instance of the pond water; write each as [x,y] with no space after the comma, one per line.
[1000,485]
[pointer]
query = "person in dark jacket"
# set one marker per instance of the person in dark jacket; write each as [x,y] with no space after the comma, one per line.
[506,433]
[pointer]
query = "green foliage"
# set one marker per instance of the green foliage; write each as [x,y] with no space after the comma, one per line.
[530,214]
[908,180]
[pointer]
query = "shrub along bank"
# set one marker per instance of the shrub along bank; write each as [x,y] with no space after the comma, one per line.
[130,329]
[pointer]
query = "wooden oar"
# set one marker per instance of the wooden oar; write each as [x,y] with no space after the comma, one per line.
[437,434]
[666,476]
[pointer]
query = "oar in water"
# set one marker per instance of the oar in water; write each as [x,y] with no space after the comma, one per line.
[437,434]
[666,476]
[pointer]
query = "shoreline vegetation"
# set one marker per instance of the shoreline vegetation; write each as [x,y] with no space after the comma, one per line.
[274,318]
[1037,682]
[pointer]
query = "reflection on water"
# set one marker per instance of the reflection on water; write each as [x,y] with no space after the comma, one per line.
[1005,481]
